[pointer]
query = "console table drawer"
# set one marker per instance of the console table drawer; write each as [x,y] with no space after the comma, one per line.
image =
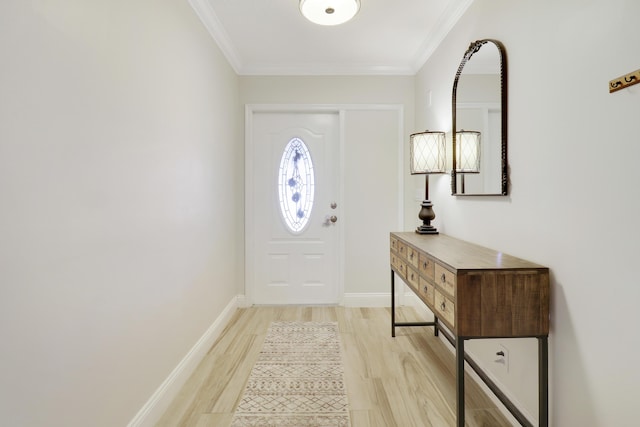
[426,291]
[445,279]
[413,256]
[413,278]
[399,265]
[394,244]
[402,268]
[426,266]
[445,309]
[402,249]
[395,261]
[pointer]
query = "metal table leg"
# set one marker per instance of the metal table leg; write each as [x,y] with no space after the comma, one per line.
[543,381]
[393,304]
[460,381]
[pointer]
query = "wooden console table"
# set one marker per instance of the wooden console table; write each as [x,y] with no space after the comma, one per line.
[476,293]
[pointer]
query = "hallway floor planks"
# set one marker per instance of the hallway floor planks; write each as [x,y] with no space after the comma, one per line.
[404,381]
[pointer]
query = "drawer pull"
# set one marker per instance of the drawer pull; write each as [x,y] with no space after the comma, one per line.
[443,306]
[425,289]
[411,256]
[443,278]
[426,263]
[412,277]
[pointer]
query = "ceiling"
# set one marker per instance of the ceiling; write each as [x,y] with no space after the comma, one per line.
[271,37]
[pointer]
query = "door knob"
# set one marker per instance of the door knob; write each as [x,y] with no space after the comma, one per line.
[328,220]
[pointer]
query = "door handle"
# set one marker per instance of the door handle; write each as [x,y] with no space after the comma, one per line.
[329,220]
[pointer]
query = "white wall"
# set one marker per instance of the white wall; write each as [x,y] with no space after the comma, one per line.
[371,184]
[121,184]
[121,198]
[573,202]
[379,111]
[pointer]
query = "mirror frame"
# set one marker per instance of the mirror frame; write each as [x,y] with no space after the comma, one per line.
[473,48]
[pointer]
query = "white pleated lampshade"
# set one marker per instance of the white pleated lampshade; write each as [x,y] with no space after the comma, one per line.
[467,151]
[427,152]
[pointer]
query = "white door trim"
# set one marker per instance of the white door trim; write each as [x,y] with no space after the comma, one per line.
[341,109]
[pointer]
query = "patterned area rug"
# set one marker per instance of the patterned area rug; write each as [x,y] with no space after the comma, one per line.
[298,379]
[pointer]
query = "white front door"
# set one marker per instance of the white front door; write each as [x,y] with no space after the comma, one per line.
[294,217]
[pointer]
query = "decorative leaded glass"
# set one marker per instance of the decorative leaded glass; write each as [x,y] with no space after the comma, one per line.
[296,185]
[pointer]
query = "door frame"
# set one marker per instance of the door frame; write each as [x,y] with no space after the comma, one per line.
[250,110]
[340,109]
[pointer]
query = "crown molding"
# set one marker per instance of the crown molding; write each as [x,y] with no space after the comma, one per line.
[449,19]
[215,28]
[213,25]
[320,69]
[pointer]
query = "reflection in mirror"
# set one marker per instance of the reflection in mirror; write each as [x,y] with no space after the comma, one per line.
[468,155]
[480,111]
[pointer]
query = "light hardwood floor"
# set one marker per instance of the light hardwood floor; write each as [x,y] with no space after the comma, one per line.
[405,381]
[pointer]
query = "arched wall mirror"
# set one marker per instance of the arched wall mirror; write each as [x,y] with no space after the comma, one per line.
[479,110]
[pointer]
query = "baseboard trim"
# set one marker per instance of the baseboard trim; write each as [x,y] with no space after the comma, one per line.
[243,301]
[158,403]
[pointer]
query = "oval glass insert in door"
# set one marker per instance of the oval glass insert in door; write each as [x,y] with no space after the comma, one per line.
[296,186]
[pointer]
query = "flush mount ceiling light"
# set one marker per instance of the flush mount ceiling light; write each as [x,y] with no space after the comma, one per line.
[329,12]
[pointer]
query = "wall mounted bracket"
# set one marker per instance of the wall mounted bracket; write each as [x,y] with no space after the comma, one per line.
[624,81]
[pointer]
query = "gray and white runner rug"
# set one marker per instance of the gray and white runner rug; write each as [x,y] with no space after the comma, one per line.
[298,379]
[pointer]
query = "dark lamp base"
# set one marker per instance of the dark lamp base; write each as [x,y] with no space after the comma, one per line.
[426,229]
[427,215]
